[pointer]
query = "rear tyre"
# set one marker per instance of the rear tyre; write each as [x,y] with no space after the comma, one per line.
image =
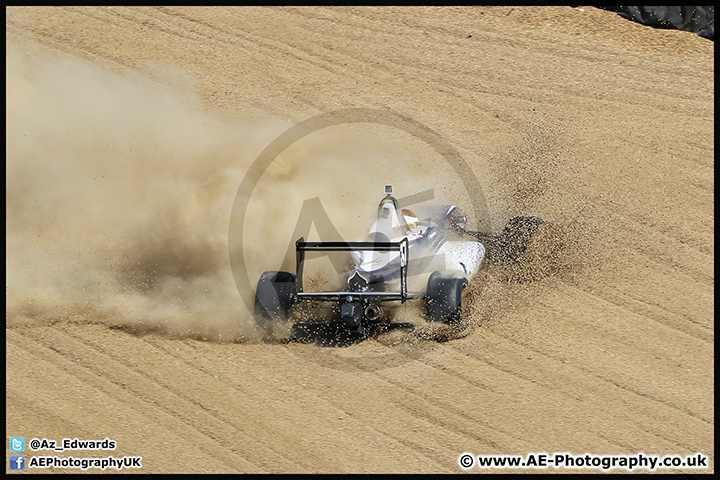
[444,297]
[274,298]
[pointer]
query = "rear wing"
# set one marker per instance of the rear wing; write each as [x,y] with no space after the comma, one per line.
[301,246]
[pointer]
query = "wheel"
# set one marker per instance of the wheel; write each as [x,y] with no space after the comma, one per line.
[444,297]
[515,237]
[457,219]
[274,297]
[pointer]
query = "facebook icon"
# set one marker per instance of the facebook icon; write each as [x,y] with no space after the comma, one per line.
[17,462]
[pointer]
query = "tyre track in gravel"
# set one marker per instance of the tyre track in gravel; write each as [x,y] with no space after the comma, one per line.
[149,395]
[584,58]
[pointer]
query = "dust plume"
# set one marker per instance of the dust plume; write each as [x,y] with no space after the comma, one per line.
[117,201]
[119,193]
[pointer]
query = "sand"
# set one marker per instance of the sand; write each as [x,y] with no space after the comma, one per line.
[130,130]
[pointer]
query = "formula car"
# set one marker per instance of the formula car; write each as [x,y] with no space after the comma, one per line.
[434,248]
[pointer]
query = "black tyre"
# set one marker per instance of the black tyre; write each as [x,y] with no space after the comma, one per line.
[515,238]
[444,297]
[274,297]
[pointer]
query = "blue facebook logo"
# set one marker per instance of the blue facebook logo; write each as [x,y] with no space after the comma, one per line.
[17,462]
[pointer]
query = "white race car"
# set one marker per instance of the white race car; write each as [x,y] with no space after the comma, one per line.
[434,248]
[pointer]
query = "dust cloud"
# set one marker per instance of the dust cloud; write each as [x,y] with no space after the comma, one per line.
[120,190]
[117,201]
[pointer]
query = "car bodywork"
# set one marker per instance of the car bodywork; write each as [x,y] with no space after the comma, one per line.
[435,248]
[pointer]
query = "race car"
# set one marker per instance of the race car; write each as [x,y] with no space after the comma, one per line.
[435,249]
